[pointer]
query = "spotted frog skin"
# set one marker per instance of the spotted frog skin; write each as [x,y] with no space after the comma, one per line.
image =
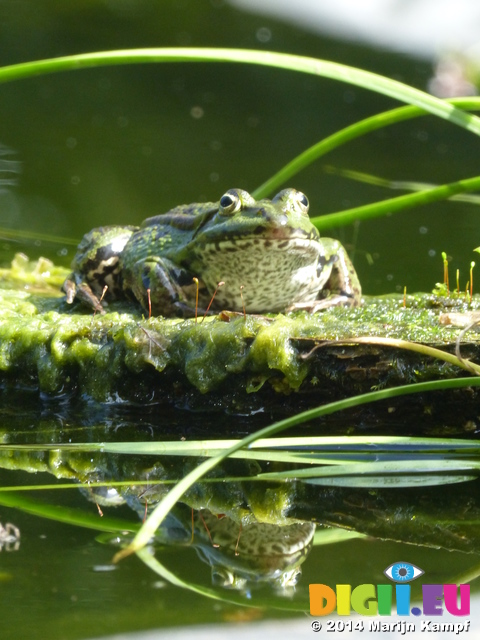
[241,556]
[252,553]
[267,253]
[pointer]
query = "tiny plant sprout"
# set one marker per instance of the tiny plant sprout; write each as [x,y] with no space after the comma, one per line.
[472,264]
[220,284]
[196,299]
[458,281]
[445,272]
[149,297]
[105,289]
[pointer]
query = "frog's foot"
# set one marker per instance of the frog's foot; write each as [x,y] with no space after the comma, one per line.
[342,287]
[165,288]
[336,300]
[81,291]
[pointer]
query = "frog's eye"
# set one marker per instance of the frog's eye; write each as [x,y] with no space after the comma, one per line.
[302,201]
[230,202]
[293,200]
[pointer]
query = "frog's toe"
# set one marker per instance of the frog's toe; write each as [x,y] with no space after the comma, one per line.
[336,300]
[70,289]
[81,291]
[86,295]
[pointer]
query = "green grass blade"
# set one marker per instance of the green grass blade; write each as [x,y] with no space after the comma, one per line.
[403,185]
[416,347]
[399,203]
[68,515]
[404,481]
[205,447]
[223,595]
[162,509]
[323,444]
[26,234]
[358,77]
[341,137]
[314,66]
[417,466]
[157,567]
[333,535]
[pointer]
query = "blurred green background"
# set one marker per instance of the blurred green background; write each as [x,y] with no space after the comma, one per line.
[109,145]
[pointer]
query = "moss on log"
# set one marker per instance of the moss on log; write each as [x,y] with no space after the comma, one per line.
[239,361]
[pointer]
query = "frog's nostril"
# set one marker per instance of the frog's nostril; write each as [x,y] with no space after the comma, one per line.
[280,220]
[273,218]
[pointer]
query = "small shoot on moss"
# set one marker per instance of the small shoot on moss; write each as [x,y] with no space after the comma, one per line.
[472,264]
[220,284]
[443,289]
[445,272]
[105,289]
[149,298]
[214,544]
[196,299]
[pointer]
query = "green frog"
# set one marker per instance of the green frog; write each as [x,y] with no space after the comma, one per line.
[258,256]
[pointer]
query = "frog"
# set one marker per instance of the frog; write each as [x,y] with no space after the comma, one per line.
[237,254]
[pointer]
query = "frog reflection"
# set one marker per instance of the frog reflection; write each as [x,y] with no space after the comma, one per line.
[241,556]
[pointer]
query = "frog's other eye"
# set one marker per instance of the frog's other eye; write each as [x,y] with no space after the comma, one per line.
[291,199]
[230,203]
[403,572]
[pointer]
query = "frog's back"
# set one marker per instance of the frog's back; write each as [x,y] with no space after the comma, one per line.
[167,234]
[186,217]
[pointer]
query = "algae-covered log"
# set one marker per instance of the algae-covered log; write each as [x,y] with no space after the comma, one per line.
[227,359]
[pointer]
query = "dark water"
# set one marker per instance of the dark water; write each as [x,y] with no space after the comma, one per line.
[111,145]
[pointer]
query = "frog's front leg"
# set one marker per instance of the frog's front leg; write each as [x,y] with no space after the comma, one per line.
[341,288]
[171,288]
[96,266]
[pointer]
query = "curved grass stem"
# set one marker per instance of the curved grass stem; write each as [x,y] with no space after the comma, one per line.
[399,203]
[161,510]
[352,132]
[419,101]
[409,346]
[314,66]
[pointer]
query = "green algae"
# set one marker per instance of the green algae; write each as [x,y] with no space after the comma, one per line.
[46,344]
[40,275]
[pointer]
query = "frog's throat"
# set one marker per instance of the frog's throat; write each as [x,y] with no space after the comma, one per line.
[291,244]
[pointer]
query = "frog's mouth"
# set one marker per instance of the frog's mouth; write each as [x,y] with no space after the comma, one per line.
[286,244]
[287,233]
[274,232]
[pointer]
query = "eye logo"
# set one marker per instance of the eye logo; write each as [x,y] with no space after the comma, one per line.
[403,572]
[377,600]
